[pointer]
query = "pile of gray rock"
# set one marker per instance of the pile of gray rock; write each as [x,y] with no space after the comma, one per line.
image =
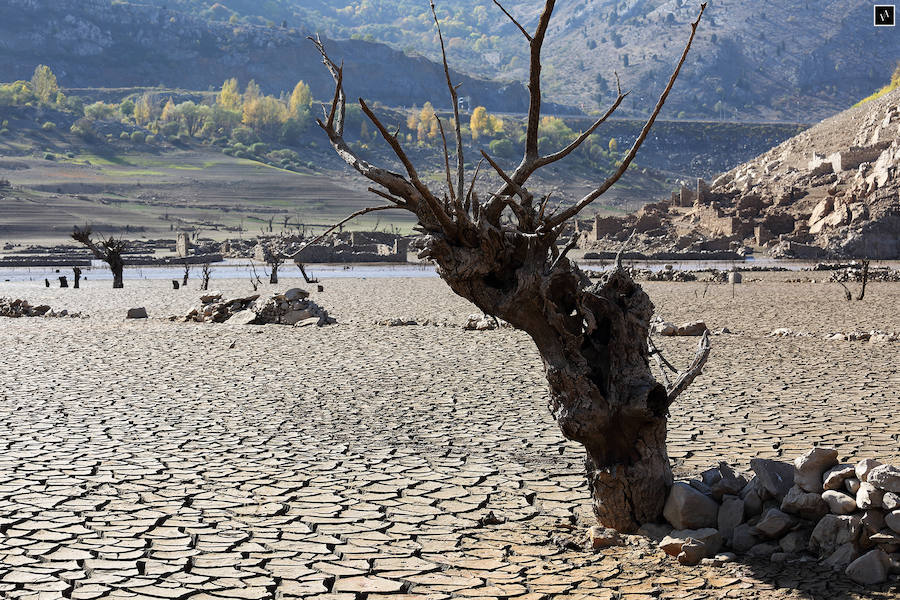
[21,308]
[844,516]
[876,336]
[292,307]
[661,327]
[476,322]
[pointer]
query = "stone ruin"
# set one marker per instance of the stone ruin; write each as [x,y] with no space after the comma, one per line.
[292,307]
[844,516]
[21,308]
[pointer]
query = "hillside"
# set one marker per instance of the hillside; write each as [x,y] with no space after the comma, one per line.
[762,60]
[99,43]
[832,190]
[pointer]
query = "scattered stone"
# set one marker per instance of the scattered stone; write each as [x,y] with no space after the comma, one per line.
[852,484]
[21,308]
[396,322]
[279,309]
[872,521]
[602,537]
[838,502]
[243,317]
[731,514]
[763,550]
[775,476]
[885,477]
[692,552]
[743,538]
[842,556]
[750,495]
[708,536]
[795,542]
[136,313]
[476,322]
[294,294]
[869,569]
[687,508]
[692,328]
[811,466]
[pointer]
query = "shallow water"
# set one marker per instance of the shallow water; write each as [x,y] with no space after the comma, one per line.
[238,268]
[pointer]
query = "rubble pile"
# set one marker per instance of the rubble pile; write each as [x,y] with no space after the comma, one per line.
[292,307]
[477,322]
[845,516]
[21,308]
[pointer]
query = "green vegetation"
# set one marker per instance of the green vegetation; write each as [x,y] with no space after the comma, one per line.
[893,85]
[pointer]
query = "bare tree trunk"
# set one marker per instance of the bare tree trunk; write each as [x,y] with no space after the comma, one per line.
[273,277]
[117,266]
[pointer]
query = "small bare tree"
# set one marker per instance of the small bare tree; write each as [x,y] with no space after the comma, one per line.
[274,258]
[187,271]
[77,273]
[502,255]
[109,250]
[204,276]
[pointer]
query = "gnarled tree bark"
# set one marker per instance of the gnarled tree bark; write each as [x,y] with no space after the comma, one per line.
[592,338]
[109,250]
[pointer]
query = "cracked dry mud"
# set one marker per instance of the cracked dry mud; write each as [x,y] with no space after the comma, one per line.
[148,460]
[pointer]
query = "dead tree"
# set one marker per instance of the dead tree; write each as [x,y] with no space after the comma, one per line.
[501,254]
[204,276]
[187,272]
[109,250]
[77,276]
[274,258]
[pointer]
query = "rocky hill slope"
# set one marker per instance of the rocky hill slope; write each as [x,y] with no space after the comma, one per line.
[832,190]
[759,60]
[100,43]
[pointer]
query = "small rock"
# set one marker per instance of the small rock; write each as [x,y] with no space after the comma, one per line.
[780,557]
[838,502]
[764,550]
[890,501]
[868,496]
[708,536]
[244,317]
[810,467]
[655,531]
[892,520]
[692,328]
[602,537]
[687,508]
[869,569]
[136,313]
[750,495]
[806,505]
[307,322]
[729,483]
[864,466]
[295,294]
[852,484]
[775,476]
[692,552]
[872,520]
[774,524]
[885,477]
[833,479]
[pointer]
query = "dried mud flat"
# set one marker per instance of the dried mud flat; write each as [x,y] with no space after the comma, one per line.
[150,459]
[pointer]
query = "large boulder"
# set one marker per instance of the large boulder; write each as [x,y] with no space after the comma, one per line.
[708,536]
[870,569]
[775,476]
[834,478]
[687,508]
[833,531]
[810,467]
[838,502]
[806,505]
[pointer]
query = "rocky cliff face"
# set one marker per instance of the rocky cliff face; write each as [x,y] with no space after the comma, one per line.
[833,190]
[97,43]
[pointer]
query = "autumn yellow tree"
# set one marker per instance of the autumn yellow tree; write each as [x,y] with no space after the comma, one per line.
[265,115]
[143,110]
[478,123]
[44,83]
[253,92]
[301,100]
[168,112]
[230,96]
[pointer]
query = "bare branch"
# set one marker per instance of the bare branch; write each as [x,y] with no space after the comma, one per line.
[552,158]
[358,213]
[661,362]
[534,83]
[453,197]
[454,100]
[685,378]
[579,206]
[472,186]
[621,251]
[399,202]
[519,191]
[513,19]
[572,243]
